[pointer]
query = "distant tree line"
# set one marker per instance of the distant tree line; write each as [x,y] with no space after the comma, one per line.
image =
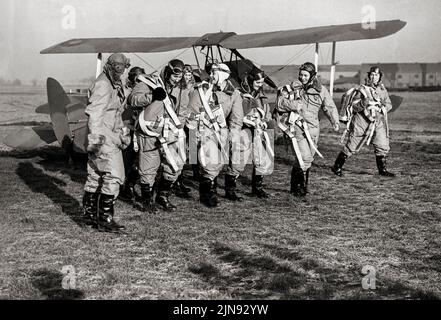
[35,82]
[15,82]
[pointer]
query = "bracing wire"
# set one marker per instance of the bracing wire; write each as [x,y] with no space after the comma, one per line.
[321,57]
[224,55]
[297,55]
[327,53]
[140,58]
[287,62]
[162,65]
[179,54]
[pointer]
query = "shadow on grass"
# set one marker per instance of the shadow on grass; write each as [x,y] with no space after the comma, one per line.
[49,283]
[260,277]
[254,277]
[24,123]
[75,170]
[347,281]
[54,159]
[39,182]
[189,179]
[285,161]
[49,152]
[396,290]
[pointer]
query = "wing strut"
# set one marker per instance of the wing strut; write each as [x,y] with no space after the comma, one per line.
[316,56]
[196,57]
[220,53]
[99,63]
[331,80]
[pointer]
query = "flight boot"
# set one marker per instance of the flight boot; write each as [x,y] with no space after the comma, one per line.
[208,192]
[230,188]
[90,208]
[307,180]
[382,170]
[257,186]
[128,190]
[148,205]
[164,192]
[180,189]
[339,162]
[196,172]
[106,211]
[298,182]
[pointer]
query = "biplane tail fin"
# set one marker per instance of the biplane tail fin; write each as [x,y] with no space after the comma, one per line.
[58,101]
[28,138]
[69,123]
[68,118]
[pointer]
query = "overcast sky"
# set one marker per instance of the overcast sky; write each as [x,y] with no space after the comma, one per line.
[28,26]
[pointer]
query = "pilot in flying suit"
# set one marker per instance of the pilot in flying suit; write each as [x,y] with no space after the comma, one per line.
[255,146]
[370,105]
[107,137]
[160,134]
[217,116]
[307,96]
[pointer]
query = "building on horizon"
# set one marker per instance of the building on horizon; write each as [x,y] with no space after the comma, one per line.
[396,75]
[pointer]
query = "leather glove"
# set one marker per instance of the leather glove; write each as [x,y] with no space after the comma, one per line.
[373,105]
[159,94]
[95,142]
[125,138]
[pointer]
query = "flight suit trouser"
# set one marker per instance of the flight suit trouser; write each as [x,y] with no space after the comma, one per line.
[105,172]
[210,157]
[150,161]
[305,149]
[358,130]
[248,148]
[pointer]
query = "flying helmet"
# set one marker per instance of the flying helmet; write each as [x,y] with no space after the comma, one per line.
[134,72]
[309,67]
[375,69]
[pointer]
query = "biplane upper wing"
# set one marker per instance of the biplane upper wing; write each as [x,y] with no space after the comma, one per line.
[97,45]
[333,33]
[231,40]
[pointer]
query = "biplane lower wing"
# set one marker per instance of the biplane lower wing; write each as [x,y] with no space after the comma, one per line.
[43,109]
[29,138]
[74,97]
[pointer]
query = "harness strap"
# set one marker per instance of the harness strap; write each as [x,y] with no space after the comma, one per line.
[167,101]
[143,125]
[295,144]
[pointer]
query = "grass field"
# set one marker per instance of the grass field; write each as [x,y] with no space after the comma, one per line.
[281,248]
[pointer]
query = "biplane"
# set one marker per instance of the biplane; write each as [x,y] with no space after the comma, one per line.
[69,122]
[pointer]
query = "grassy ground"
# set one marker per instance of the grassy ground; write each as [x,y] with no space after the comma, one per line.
[281,248]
